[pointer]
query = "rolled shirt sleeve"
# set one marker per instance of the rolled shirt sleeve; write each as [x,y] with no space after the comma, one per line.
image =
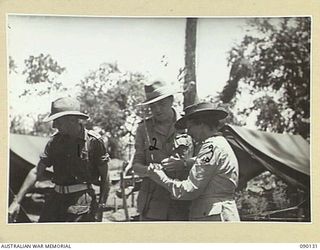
[46,156]
[99,152]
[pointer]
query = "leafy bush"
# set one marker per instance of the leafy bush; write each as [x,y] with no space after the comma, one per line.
[264,197]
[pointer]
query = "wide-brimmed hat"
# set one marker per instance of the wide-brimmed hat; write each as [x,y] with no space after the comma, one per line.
[65,106]
[157,91]
[207,108]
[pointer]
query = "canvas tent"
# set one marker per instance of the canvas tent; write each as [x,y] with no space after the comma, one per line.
[287,156]
[24,155]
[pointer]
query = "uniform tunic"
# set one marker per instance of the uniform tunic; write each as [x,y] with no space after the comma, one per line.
[74,161]
[211,182]
[154,201]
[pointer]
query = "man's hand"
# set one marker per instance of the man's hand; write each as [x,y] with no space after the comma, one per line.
[173,163]
[13,211]
[154,166]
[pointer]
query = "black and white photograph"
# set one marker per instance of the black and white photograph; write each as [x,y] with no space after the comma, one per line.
[159,119]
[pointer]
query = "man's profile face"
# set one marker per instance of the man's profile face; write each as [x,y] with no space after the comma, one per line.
[161,110]
[67,125]
[194,130]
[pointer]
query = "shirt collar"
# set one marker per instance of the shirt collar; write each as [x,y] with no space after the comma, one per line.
[212,136]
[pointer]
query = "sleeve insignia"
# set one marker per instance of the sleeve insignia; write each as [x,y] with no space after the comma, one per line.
[206,154]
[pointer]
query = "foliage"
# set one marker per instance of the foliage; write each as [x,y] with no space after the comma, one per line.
[44,70]
[270,78]
[41,128]
[17,125]
[42,74]
[30,125]
[273,62]
[232,118]
[110,97]
[12,66]
[264,193]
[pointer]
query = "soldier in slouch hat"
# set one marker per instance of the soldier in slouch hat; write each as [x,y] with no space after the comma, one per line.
[157,139]
[79,159]
[213,178]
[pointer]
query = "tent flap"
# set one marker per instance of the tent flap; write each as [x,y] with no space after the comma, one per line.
[287,156]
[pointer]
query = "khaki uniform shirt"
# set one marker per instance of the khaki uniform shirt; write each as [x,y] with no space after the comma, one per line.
[154,201]
[211,182]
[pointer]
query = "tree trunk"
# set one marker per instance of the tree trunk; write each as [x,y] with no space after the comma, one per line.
[190,90]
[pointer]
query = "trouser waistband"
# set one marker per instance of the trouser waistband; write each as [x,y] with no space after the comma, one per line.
[71,188]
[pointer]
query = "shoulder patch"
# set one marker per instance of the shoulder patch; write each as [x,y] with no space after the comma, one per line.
[94,134]
[206,153]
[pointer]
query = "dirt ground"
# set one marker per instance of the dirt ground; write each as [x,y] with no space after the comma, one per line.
[114,210]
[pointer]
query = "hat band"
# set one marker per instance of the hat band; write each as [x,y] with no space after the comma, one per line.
[159,92]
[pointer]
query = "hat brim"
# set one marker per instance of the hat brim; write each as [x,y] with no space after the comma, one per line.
[218,114]
[155,99]
[165,93]
[65,113]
